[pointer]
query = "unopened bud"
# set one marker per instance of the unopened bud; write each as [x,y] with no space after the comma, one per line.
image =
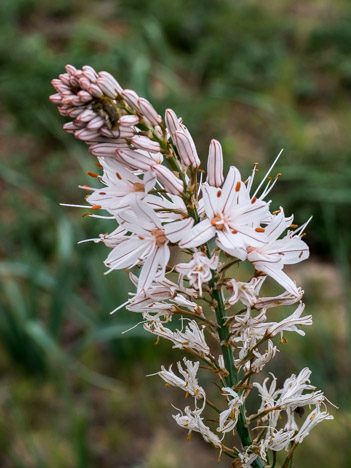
[146,144]
[128,120]
[109,85]
[149,111]
[168,179]
[215,164]
[134,160]
[186,149]
[131,97]
[172,122]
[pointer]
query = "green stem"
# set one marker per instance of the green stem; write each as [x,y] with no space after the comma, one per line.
[232,379]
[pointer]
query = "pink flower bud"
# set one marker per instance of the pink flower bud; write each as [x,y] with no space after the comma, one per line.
[86,115]
[215,164]
[107,149]
[186,149]
[131,97]
[71,127]
[146,144]
[90,73]
[128,120]
[86,135]
[95,91]
[84,96]
[109,85]
[134,160]
[172,122]
[168,179]
[149,111]
[95,123]
[56,98]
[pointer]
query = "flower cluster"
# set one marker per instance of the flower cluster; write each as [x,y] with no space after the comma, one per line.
[161,208]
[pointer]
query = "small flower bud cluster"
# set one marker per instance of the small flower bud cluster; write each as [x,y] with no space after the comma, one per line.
[160,208]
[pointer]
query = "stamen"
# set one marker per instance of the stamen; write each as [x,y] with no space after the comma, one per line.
[102,193]
[219,193]
[253,200]
[259,229]
[96,207]
[237,187]
[234,231]
[92,174]
[86,214]
[98,164]
[118,176]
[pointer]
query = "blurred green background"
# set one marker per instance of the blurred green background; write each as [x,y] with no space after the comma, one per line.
[258,76]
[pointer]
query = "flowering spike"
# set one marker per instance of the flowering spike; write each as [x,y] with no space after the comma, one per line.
[161,206]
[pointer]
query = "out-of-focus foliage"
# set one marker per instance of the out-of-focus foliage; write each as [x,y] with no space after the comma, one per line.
[258,76]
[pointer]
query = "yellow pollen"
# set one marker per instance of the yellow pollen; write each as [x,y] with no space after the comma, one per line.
[189,437]
[293,226]
[276,212]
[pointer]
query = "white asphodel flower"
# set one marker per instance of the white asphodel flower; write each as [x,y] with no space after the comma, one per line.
[148,243]
[229,417]
[262,359]
[271,257]
[189,382]
[198,270]
[315,417]
[192,337]
[122,187]
[192,421]
[232,216]
[276,441]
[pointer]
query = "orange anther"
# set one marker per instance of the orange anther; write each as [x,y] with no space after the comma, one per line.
[118,175]
[259,229]
[98,164]
[96,207]
[234,231]
[92,174]
[219,193]
[237,187]
[253,200]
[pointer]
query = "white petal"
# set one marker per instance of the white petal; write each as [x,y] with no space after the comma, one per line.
[198,235]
